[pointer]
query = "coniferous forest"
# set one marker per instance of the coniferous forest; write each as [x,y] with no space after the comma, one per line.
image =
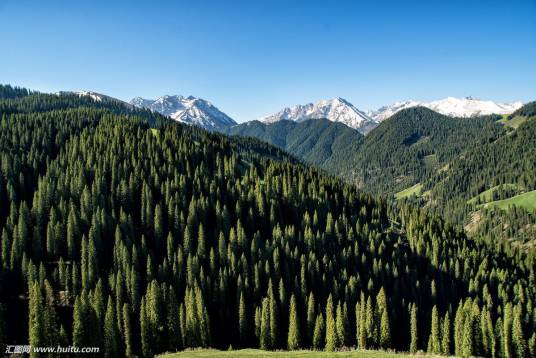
[124,230]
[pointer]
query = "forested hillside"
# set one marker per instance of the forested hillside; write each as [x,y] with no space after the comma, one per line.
[145,236]
[458,167]
[414,144]
[319,142]
[489,172]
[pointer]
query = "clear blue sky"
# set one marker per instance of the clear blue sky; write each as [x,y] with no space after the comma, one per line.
[250,58]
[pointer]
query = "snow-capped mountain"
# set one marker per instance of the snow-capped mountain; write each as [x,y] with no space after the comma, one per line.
[450,106]
[190,110]
[336,110]
[97,97]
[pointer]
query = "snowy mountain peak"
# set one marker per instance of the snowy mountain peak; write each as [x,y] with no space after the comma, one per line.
[97,97]
[190,110]
[337,110]
[450,106]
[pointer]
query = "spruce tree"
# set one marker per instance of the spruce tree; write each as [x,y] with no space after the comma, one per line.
[507,331]
[361,323]
[293,341]
[532,345]
[459,329]
[468,336]
[518,340]
[145,340]
[331,333]
[242,320]
[434,342]
[79,321]
[127,331]
[203,318]
[111,333]
[385,330]
[63,337]
[310,319]
[50,326]
[371,323]
[257,318]
[445,335]
[319,332]
[413,347]
[266,338]
[340,326]
[36,320]
[274,317]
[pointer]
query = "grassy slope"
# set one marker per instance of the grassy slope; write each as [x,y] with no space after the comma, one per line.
[256,353]
[415,189]
[526,200]
[486,196]
[514,122]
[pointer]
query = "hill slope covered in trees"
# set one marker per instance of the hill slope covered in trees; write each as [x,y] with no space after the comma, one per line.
[141,238]
[319,142]
[431,160]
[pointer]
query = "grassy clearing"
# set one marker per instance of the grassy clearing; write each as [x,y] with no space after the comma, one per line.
[487,196]
[414,190]
[430,160]
[256,353]
[526,200]
[514,122]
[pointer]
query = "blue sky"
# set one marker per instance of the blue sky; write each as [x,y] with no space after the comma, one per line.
[250,58]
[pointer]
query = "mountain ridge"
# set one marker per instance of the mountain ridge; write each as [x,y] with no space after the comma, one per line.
[335,110]
[189,110]
[451,106]
[318,142]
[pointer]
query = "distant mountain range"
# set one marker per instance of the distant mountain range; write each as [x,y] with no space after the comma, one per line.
[198,111]
[335,110]
[189,110]
[450,106]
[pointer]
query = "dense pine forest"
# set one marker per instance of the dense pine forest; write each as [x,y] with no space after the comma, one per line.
[123,230]
[451,166]
[319,142]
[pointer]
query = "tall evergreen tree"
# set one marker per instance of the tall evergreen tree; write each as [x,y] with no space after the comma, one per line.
[413,347]
[445,335]
[111,332]
[310,319]
[331,332]
[274,317]
[145,340]
[319,332]
[293,341]
[265,335]
[507,331]
[36,321]
[340,326]
[434,342]
[518,339]
[242,320]
[128,331]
